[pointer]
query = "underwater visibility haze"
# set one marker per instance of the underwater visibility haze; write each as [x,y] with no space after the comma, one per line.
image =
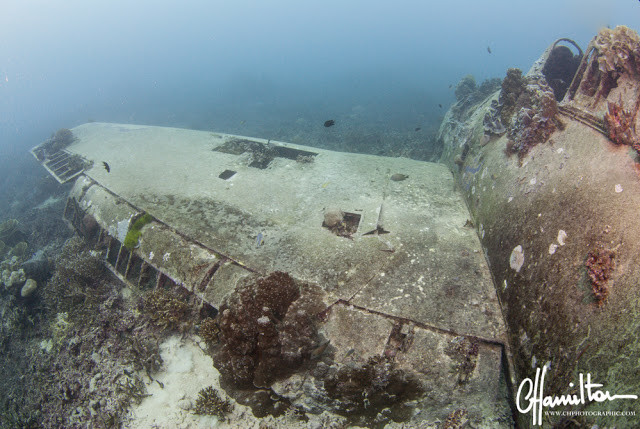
[319,214]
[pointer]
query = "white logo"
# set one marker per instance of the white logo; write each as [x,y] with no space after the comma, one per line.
[537,399]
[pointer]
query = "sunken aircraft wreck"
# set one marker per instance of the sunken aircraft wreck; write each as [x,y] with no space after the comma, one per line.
[386,289]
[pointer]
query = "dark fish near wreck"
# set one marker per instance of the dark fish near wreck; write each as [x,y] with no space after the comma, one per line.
[488,49]
[329,123]
[440,106]
[398,177]
[106,166]
[418,129]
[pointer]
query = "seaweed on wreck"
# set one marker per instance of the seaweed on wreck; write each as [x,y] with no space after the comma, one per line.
[131,240]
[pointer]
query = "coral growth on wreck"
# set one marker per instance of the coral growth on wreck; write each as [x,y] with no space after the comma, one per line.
[618,49]
[613,52]
[457,419]
[267,329]
[167,309]
[620,125]
[209,330]
[600,264]
[492,124]
[210,403]
[58,141]
[76,283]
[463,351]
[10,233]
[365,390]
[512,86]
[529,111]
[465,87]
[469,94]
[75,355]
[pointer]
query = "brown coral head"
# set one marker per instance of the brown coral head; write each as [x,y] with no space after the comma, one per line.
[600,264]
[267,329]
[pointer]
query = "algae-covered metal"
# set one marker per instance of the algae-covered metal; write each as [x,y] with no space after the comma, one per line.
[555,200]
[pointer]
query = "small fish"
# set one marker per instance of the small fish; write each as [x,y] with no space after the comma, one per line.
[242,122]
[106,166]
[317,352]
[488,49]
[329,123]
[450,85]
[440,106]
[418,129]
[398,177]
[259,240]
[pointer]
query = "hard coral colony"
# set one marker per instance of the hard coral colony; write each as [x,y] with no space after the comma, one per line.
[600,264]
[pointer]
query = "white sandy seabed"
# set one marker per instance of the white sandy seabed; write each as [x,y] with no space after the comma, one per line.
[186,370]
